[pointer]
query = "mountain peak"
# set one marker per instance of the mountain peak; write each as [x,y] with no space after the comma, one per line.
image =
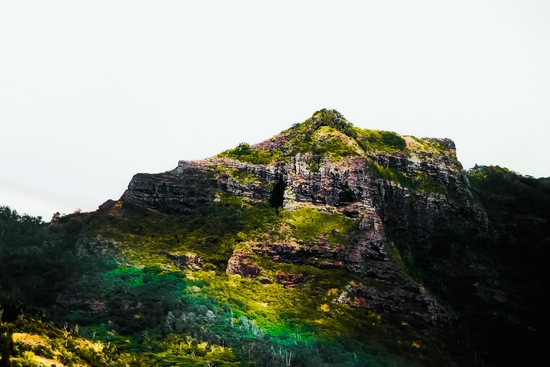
[330,118]
[326,133]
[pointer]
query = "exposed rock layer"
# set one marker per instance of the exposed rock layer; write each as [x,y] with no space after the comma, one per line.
[349,186]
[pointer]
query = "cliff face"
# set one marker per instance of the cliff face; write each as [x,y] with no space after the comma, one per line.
[407,186]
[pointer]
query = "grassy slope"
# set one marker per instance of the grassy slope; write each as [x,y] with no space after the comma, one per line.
[151,309]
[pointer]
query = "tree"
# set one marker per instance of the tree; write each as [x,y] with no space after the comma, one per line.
[55,217]
[10,309]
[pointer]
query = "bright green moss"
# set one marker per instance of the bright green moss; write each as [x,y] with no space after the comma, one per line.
[244,177]
[244,153]
[429,185]
[326,134]
[216,170]
[334,146]
[393,254]
[430,147]
[222,171]
[308,316]
[131,276]
[377,140]
[324,278]
[212,232]
[313,164]
[325,141]
[390,174]
[309,225]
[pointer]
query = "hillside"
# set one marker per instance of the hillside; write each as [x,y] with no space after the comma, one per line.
[326,245]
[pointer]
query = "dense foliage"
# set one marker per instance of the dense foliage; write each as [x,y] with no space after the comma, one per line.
[243,152]
[326,134]
[135,307]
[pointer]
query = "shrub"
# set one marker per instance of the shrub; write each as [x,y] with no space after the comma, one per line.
[243,152]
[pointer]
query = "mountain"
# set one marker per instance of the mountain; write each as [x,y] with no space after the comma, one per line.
[326,245]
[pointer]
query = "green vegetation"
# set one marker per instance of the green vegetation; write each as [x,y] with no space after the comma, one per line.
[431,147]
[221,171]
[394,255]
[324,142]
[327,134]
[244,153]
[420,180]
[136,307]
[311,225]
[243,177]
[143,311]
[384,141]
[211,233]
[38,343]
[497,180]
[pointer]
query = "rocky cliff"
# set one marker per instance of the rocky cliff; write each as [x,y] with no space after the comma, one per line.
[383,182]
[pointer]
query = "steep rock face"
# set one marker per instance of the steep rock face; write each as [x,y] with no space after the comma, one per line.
[187,261]
[165,193]
[408,192]
[193,183]
[397,300]
[406,210]
[102,247]
[241,264]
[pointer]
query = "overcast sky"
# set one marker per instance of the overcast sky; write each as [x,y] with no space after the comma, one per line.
[92,92]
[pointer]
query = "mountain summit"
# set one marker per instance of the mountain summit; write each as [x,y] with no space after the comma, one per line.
[341,189]
[326,245]
[328,134]
[324,147]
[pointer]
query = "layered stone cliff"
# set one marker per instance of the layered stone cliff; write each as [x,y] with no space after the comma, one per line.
[390,186]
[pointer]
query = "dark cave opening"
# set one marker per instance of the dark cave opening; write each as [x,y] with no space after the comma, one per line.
[278,195]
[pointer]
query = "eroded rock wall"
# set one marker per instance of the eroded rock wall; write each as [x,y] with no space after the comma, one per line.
[349,186]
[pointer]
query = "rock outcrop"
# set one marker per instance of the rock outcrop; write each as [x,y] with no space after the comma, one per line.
[410,300]
[98,246]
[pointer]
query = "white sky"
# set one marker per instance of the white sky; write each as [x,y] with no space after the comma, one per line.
[92,92]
